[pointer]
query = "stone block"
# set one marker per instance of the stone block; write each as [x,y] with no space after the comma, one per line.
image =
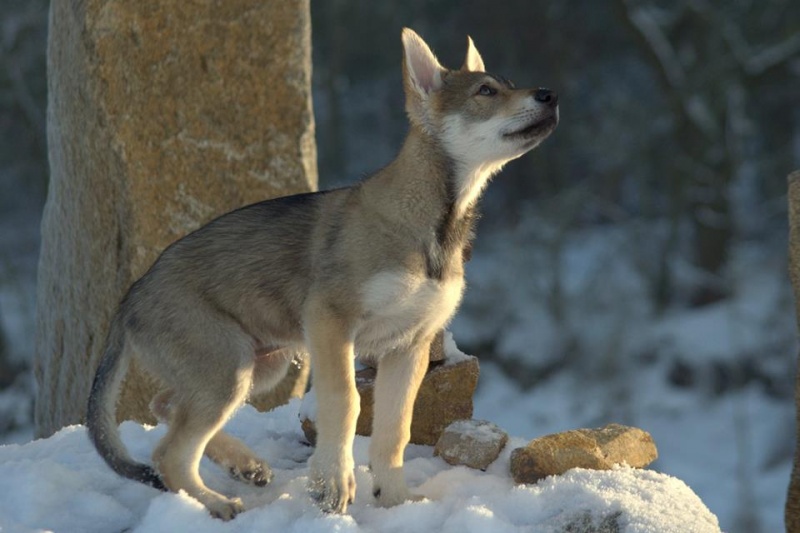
[598,449]
[473,443]
[161,116]
[444,397]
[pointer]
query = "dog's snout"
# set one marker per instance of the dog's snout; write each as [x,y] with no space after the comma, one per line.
[546,96]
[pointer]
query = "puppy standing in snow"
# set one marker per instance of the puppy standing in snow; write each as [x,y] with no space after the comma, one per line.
[375,269]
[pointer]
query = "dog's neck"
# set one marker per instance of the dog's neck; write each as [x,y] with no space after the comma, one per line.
[429,197]
[471,180]
[426,181]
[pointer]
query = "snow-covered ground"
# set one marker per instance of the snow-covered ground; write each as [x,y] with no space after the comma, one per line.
[713,385]
[61,484]
[731,451]
[567,337]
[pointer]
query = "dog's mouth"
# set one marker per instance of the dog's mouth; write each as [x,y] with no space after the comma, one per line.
[535,129]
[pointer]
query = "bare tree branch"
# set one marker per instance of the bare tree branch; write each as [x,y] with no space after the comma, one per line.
[773,56]
[23,96]
[752,62]
[644,21]
[693,107]
[10,31]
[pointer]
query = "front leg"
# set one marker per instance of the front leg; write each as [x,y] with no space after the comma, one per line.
[400,374]
[331,478]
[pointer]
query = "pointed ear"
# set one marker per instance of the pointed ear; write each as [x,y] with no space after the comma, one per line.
[422,75]
[473,62]
[421,70]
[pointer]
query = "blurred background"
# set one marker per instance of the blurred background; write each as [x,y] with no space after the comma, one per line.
[632,269]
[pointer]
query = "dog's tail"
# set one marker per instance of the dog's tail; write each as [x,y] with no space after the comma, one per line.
[101,414]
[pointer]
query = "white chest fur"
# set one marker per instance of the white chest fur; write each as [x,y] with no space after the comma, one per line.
[397,305]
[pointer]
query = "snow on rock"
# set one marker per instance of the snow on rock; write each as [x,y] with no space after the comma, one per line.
[472,443]
[61,484]
[451,352]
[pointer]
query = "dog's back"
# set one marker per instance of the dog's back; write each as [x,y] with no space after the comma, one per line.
[250,266]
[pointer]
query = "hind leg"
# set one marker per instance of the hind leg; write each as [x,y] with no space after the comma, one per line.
[195,416]
[227,451]
[240,461]
[231,453]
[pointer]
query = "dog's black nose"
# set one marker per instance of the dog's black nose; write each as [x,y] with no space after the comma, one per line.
[546,96]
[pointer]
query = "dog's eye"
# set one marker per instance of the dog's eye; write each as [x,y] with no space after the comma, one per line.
[485,90]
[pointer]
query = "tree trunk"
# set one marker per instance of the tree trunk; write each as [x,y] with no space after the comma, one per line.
[161,116]
[792,513]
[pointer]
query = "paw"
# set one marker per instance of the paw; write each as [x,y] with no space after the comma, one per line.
[255,472]
[389,488]
[386,498]
[333,487]
[224,508]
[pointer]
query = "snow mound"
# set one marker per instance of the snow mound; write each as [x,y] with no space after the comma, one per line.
[61,484]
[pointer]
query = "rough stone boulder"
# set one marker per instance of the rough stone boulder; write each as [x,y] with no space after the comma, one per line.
[160,117]
[444,396]
[597,449]
[792,509]
[472,443]
[437,346]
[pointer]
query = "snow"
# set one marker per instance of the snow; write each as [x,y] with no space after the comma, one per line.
[567,336]
[308,405]
[727,433]
[712,385]
[61,484]
[477,430]
[730,440]
[721,447]
[452,355]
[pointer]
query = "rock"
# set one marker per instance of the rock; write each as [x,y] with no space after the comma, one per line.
[792,509]
[473,443]
[291,386]
[444,396]
[160,117]
[625,445]
[598,449]
[309,430]
[437,347]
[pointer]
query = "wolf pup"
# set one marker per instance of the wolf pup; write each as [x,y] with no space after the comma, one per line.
[375,269]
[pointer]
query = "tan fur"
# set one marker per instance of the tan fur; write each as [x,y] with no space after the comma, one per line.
[375,270]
